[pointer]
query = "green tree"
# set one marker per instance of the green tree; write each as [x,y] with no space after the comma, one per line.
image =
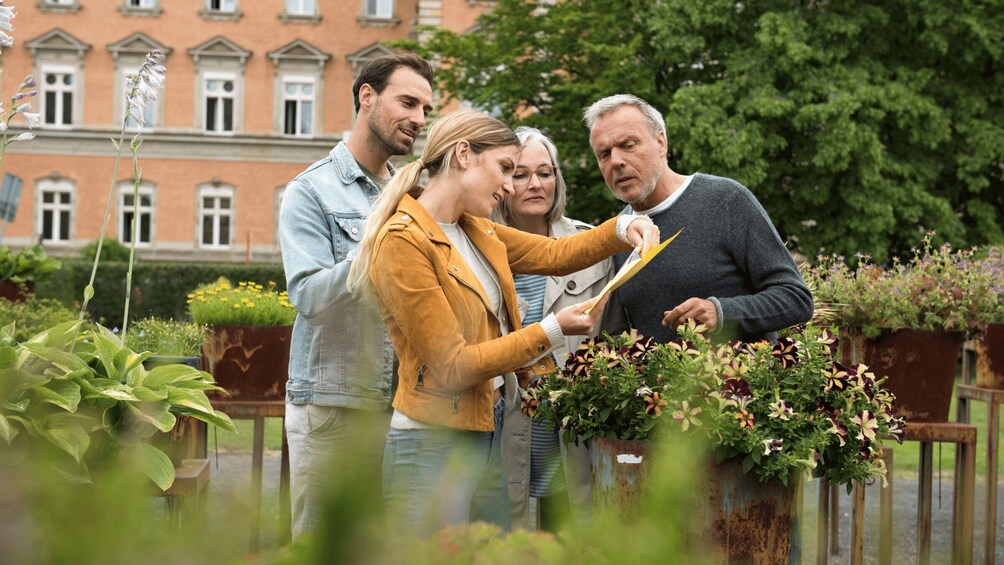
[858,125]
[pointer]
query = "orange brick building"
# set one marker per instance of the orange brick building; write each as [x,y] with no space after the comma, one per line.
[255,91]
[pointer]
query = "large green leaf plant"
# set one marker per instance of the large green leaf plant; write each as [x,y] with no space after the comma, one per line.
[82,399]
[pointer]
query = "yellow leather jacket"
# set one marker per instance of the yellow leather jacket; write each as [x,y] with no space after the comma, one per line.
[446,337]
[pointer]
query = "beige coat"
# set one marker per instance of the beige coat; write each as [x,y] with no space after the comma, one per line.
[559,292]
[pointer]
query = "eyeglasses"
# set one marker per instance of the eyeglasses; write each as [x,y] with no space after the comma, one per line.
[522,176]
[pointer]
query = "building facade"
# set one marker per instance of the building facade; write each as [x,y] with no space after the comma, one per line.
[256,90]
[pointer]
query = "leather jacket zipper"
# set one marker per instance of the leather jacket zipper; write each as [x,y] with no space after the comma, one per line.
[420,385]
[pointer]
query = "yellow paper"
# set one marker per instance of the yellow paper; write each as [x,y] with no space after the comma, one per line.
[630,269]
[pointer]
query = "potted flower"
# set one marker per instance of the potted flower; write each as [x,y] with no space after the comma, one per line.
[77,397]
[768,412]
[906,320]
[246,342]
[988,342]
[20,271]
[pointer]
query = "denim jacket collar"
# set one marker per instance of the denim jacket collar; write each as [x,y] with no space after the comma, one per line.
[346,166]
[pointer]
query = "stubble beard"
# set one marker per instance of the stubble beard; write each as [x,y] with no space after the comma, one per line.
[388,138]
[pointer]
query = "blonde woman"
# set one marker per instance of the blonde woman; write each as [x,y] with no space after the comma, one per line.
[442,274]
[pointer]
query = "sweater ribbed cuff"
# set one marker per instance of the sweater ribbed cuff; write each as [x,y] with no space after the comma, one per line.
[623,221]
[718,312]
[553,331]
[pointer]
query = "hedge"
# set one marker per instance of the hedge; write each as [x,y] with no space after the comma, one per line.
[159,289]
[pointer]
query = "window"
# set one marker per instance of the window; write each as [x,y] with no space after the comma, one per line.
[298,105]
[144,213]
[55,212]
[216,213]
[219,103]
[380,9]
[221,5]
[149,113]
[301,7]
[142,3]
[58,84]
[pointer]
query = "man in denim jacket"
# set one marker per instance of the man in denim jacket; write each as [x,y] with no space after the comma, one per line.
[341,359]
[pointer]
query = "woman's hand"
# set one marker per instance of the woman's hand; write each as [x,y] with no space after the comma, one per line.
[643,234]
[573,319]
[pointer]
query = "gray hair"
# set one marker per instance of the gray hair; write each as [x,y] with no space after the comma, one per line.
[606,105]
[526,134]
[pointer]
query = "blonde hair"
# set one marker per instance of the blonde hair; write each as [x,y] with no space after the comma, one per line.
[479,130]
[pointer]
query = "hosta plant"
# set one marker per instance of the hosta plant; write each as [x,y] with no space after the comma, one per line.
[81,399]
[31,264]
[780,407]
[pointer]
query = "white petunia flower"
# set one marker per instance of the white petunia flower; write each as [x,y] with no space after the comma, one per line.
[26,136]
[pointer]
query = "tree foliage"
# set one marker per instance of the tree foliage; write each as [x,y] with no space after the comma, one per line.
[858,125]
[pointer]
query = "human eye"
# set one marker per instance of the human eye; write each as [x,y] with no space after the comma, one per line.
[521,175]
[545,174]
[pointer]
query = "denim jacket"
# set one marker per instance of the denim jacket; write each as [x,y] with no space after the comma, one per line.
[340,354]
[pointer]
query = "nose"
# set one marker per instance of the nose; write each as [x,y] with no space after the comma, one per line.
[507,187]
[533,182]
[418,118]
[616,158]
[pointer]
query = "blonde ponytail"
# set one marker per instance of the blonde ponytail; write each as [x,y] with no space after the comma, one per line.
[481,132]
[403,182]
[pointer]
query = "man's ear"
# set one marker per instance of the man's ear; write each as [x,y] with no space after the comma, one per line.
[663,144]
[367,96]
[462,152]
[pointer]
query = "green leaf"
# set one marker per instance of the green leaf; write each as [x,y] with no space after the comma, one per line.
[163,375]
[157,414]
[115,143]
[7,356]
[62,359]
[193,399]
[747,464]
[146,395]
[62,393]
[7,431]
[216,418]
[157,466]
[65,432]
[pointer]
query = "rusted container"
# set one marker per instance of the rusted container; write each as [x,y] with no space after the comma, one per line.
[250,362]
[742,520]
[619,469]
[921,366]
[989,345]
[9,290]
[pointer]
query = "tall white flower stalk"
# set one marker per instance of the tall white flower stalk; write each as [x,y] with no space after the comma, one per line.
[20,102]
[141,89]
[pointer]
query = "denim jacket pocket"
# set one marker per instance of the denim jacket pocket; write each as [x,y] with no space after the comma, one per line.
[349,231]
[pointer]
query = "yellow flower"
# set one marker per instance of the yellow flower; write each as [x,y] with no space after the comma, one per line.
[242,283]
[237,306]
[224,299]
[244,299]
[250,304]
[191,296]
[271,283]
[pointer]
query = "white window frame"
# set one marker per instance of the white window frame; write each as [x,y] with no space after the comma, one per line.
[220,9]
[301,7]
[73,89]
[220,76]
[145,190]
[371,9]
[56,208]
[142,4]
[299,100]
[219,215]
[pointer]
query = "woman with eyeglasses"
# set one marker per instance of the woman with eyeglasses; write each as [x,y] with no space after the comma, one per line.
[442,274]
[558,476]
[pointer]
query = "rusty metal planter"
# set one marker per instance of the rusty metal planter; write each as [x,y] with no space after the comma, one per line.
[619,469]
[921,366]
[989,345]
[743,520]
[250,362]
[13,292]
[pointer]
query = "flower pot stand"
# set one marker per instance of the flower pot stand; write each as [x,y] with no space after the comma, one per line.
[258,411]
[927,433]
[185,496]
[828,522]
[994,398]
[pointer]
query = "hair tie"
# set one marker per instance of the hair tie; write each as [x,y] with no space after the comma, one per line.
[421,163]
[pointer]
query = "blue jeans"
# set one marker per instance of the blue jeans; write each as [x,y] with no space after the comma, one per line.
[437,477]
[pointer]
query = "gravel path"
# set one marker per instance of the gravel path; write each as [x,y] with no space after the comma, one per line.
[231,480]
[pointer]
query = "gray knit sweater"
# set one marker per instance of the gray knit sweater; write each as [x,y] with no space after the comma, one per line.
[729,251]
